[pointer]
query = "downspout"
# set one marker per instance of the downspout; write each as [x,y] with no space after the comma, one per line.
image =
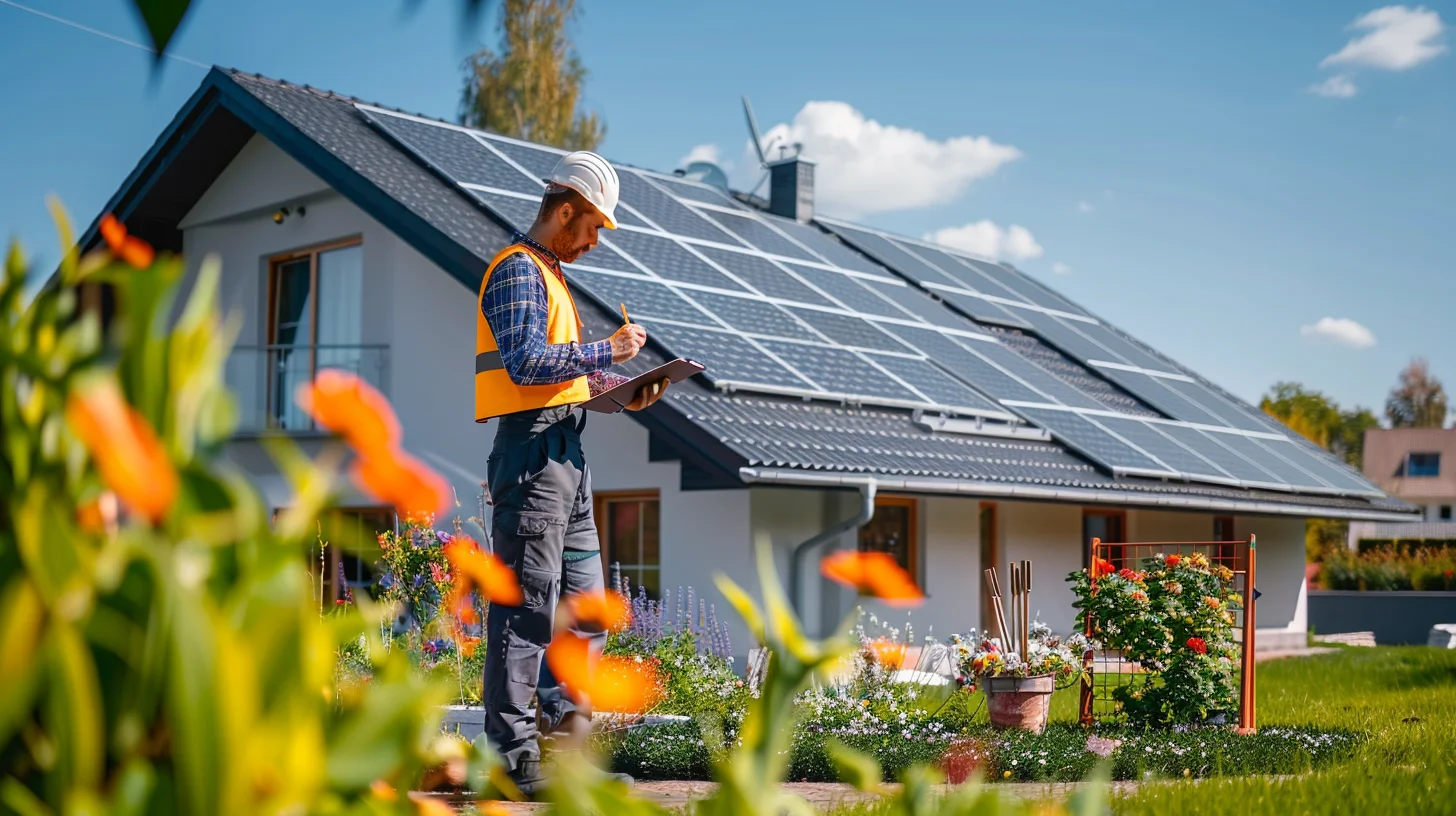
[866,512]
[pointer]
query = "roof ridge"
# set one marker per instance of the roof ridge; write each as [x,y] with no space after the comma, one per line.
[327,93]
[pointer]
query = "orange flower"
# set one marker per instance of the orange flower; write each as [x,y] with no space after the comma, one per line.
[1213,603]
[615,683]
[99,514]
[129,248]
[605,610]
[399,479]
[432,807]
[1101,566]
[489,807]
[873,573]
[347,405]
[128,453]
[468,645]
[890,654]
[474,567]
[1173,560]
[383,790]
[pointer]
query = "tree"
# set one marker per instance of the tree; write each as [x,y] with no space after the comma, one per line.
[530,89]
[1418,400]
[1319,419]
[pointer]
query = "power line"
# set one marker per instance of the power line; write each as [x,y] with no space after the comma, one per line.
[98,33]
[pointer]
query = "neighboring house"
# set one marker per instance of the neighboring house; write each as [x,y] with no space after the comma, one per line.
[956,412]
[1418,466]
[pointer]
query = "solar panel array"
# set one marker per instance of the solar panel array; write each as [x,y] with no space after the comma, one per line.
[772,305]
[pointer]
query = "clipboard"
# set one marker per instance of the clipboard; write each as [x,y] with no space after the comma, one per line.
[615,399]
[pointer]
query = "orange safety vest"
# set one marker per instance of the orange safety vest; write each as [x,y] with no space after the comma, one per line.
[495,393]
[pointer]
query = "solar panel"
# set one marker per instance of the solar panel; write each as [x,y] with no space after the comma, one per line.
[696,192]
[1147,437]
[644,298]
[520,213]
[921,305]
[1120,346]
[981,309]
[1077,433]
[1020,285]
[824,245]
[752,315]
[455,154]
[670,260]
[1032,348]
[756,234]
[892,255]
[925,377]
[727,356]
[973,370]
[1237,416]
[847,290]
[1056,390]
[1231,463]
[1068,337]
[848,330]
[763,275]
[538,162]
[840,371]
[1322,465]
[1283,470]
[1152,391]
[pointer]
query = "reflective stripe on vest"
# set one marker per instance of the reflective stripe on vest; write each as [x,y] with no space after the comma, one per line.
[495,393]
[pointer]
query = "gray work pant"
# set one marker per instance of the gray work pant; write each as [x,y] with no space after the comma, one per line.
[541,491]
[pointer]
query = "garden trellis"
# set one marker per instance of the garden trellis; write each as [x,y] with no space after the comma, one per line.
[1108,669]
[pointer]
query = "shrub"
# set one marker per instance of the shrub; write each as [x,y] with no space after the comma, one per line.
[1175,620]
[1391,568]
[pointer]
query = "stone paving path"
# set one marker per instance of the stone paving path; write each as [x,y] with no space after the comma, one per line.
[823,796]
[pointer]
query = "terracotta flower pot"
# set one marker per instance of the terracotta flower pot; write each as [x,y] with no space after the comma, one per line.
[1019,702]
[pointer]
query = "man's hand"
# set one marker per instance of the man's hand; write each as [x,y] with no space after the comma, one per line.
[627,342]
[650,393]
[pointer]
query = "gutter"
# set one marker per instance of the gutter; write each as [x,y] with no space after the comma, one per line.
[867,486]
[1071,495]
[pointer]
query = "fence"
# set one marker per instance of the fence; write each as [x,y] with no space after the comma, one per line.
[1107,668]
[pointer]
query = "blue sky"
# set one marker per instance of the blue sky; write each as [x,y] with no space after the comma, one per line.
[1263,191]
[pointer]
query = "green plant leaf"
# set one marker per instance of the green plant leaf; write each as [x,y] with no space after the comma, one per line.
[21,622]
[855,767]
[161,19]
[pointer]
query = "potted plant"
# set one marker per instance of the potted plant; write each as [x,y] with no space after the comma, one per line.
[1019,689]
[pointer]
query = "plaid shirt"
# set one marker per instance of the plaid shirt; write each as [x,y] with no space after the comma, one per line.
[514,305]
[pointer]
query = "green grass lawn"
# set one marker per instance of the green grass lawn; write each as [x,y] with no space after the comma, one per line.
[1403,697]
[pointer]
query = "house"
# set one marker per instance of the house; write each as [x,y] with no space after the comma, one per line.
[862,389]
[1418,466]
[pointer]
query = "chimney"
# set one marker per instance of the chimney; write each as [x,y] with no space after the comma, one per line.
[791,188]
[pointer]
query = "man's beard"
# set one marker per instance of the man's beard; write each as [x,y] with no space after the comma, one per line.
[566,248]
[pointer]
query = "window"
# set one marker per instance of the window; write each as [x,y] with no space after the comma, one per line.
[1445,512]
[315,316]
[630,532]
[1106,525]
[1223,528]
[892,531]
[990,557]
[1423,464]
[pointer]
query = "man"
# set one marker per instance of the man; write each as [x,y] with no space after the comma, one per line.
[532,372]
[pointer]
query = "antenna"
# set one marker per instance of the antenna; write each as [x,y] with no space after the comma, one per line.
[758,144]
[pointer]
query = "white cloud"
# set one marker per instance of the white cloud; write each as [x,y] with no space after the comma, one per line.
[1084,206]
[1399,38]
[702,152]
[866,167]
[987,239]
[1060,268]
[1338,87]
[1340,330]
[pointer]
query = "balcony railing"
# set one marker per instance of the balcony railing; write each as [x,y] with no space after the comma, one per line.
[265,379]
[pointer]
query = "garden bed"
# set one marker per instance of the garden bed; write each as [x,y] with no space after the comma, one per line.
[1063,753]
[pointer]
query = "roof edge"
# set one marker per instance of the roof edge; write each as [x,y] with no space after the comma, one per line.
[1079,495]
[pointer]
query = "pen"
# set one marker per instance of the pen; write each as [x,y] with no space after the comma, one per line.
[625,318]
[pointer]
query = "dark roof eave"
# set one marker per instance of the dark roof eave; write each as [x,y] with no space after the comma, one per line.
[1075,495]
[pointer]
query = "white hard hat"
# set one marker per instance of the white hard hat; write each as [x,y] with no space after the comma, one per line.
[591,175]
